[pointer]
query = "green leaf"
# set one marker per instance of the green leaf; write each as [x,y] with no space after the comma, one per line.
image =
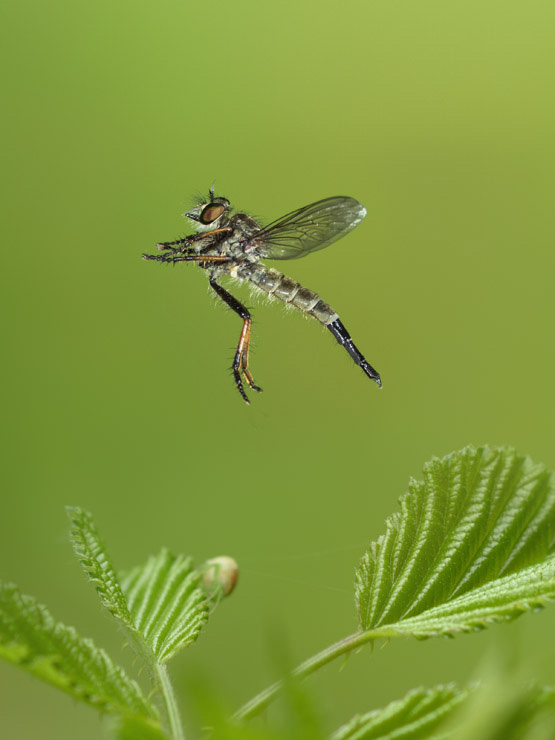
[168,606]
[96,562]
[33,640]
[471,546]
[161,604]
[495,710]
[502,599]
[414,717]
[137,728]
[503,710]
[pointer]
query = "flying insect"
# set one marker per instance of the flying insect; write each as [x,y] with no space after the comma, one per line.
[233,243]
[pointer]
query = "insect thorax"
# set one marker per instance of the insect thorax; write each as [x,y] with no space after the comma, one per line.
[237,244]
[244,227]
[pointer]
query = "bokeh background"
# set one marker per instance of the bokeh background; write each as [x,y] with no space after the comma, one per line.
[116,394]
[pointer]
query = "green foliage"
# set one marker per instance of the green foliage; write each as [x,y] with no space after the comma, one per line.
[167,604]
[162,607]
[414,717]
[96,562]
[503,708]
[499,708]
[33,640]
[502,599]
[137,728]
[471,546]
[161,604]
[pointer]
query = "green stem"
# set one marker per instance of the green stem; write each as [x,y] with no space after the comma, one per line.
[170,702]
[260,701]
[160,680]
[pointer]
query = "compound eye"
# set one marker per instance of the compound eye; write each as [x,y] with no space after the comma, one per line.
[211,212]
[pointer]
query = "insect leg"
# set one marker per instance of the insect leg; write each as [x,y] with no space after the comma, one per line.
[178,243]
[180,257]
[241,359]
[245,360]
[344,339]
[187,241]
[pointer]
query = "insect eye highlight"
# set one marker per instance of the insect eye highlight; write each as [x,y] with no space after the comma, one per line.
[211,212]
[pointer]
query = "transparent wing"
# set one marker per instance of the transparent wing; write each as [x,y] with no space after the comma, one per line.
[310,228]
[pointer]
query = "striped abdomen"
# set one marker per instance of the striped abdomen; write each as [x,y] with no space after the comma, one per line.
[289,291]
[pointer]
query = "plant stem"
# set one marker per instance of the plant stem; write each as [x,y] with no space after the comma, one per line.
[260,701]
[170,702]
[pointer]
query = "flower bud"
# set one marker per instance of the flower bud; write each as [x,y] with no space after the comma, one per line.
[223,570]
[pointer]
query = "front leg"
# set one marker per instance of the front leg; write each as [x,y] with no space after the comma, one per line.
[205,260]
[188,241]
[241,359]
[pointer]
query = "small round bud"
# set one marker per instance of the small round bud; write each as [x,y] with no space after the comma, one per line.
[223,570]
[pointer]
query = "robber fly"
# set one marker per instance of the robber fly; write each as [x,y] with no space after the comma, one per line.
[228,243]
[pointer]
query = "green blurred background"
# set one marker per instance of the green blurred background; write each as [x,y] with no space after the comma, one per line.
[116,394]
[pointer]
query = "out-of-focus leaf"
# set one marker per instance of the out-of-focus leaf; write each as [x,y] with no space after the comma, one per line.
[137,728]
[503,709]
[33,640]
[414,717]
